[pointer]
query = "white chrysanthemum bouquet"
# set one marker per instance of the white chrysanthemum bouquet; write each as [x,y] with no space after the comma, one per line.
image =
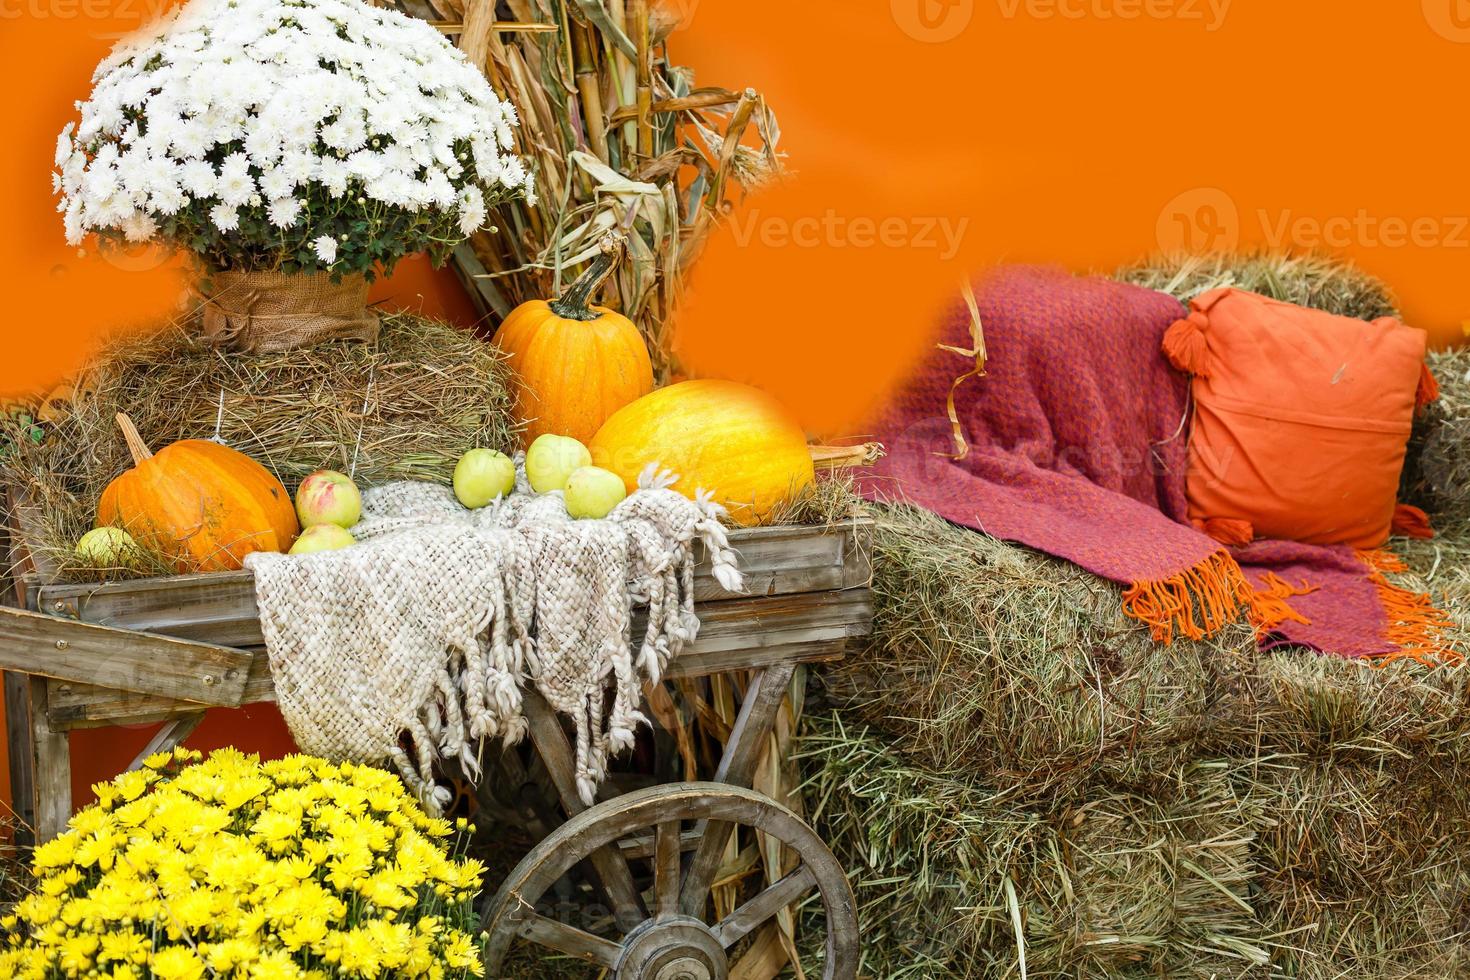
[288,136]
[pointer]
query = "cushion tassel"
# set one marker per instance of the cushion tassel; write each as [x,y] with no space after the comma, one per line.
[1186,347]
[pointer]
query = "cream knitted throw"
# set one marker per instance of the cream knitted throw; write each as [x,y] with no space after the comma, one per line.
[431,624]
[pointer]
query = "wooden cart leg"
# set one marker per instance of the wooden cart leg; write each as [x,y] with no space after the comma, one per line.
[556,753]
[737,768]
[52,767]
[22,760]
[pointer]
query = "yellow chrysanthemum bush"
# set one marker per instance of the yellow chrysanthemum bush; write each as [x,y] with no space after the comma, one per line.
[230,867]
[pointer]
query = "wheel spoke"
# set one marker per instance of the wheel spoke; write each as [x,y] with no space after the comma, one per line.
[748,917]
[667,868]
[570,940]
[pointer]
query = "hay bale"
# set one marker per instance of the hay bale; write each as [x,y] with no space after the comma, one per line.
[1440,482]
[1262,866]
[1318,281]
[1108,884]
[998,660]
[404,408]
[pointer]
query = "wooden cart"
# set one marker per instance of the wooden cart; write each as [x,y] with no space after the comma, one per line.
[167,649]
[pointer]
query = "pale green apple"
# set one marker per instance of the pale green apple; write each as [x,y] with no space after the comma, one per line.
[107,546]
[323,537]
[328,497]
[551,459]
[483,475]
[593,492]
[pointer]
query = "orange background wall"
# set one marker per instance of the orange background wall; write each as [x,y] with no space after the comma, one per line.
[1086,132]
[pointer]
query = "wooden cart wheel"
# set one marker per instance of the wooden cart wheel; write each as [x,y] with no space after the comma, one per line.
[674,941]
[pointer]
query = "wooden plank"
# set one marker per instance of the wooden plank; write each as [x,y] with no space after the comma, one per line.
[89,706]
[74,705]
[168,738]
[46,646]
[51,763]
[220,607]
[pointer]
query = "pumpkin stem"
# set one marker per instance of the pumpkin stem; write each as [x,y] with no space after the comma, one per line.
[135,442]
[574,304]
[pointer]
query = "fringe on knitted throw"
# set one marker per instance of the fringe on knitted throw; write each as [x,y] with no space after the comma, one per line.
[416,644]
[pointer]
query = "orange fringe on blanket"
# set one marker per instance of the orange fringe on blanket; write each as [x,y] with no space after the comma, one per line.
[1197,602]
[1269,608]
[1200,601]
[1415,625]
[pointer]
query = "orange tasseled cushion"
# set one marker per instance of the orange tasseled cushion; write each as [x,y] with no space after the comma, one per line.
[1301,418]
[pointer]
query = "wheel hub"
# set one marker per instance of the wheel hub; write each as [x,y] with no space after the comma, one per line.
[676,948]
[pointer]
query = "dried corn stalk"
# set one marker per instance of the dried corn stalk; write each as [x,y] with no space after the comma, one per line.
[618,137]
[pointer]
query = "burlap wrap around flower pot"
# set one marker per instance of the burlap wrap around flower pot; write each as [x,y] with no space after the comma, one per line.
[265,312]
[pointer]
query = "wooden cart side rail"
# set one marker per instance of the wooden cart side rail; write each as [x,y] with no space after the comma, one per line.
[144,663]
[220,607]
[741,634]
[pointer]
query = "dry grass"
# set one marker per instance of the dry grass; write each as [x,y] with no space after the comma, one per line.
[405,408]
[1318,281]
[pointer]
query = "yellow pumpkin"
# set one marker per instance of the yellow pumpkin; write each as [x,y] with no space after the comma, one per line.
[575,364]
[735,441]
[202,505]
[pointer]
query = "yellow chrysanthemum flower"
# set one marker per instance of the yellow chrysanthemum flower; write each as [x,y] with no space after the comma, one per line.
[297,869]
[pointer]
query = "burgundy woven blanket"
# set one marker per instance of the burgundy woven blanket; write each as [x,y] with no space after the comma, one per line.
[1074,442]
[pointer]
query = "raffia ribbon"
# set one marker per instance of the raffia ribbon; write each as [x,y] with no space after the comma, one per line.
[977,352]
[267,312]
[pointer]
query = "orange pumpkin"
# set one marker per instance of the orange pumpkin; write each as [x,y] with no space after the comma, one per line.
[575,365]
[202,505]
[735,441]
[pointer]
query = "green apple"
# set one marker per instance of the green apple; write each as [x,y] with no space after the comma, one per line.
[110,546]
[323,537]
[551,459]
[593,492]
[328,497]
[483,475]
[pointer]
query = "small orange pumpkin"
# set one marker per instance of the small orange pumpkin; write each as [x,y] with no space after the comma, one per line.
[735,441]
[200,504]
[575,364]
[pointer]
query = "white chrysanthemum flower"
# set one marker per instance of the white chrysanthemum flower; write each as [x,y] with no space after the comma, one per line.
[276,184]
[63,144]
[471,211]
[326,249]
[197,177]
[332,106]
[285,212]
[225,217]
[140,227]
